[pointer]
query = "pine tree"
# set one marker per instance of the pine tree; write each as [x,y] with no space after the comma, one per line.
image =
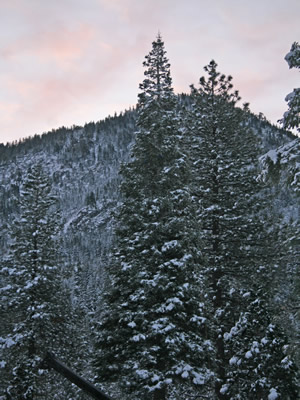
[151,335]
[291,118]
[260,366]
[33,303]
[236,242]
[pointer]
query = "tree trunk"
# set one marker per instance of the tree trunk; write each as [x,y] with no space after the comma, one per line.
[83,384]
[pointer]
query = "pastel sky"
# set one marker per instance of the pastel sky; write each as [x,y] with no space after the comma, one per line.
[66,62]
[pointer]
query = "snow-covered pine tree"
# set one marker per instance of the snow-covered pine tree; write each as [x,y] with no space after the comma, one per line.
[150,337]
[291,118]
[235,238]
[33,299]
[260,366]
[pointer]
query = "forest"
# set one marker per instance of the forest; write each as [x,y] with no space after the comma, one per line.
[156,252]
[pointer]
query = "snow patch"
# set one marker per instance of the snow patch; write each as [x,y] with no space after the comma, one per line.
[7,342]
[132,324]
[248,354]
[142,373]
[233,360]
[5,288]
[272,154]
[198,378]
[286,363]
[169,245]
[224,389]
[125,266]
[273,395]
[137,338]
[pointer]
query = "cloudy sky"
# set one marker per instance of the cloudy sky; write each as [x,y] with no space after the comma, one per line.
[66,62]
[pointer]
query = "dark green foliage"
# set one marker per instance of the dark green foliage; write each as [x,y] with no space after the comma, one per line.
[155,300]
[33,299]
[260,362]
[274,169]
[291,118]
[235,232]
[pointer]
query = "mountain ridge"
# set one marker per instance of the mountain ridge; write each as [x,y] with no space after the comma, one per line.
[83,165]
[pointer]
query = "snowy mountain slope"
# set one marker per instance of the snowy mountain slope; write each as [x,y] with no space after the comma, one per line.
[84,163]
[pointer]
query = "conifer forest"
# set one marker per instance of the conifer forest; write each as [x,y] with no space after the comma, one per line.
[156,252]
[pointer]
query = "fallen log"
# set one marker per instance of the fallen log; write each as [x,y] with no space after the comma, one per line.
[82,383]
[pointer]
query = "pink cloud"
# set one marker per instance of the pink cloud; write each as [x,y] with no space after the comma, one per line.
[65,45]
[7,111]
[62,46]
[71,58]
[19,87]
[53,99]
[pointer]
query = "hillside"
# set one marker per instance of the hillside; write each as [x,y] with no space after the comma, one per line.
[83,164]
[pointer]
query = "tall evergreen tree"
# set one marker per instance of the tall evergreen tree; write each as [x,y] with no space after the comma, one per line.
[151,335]
[291,118]
[32,298]
[236,241]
